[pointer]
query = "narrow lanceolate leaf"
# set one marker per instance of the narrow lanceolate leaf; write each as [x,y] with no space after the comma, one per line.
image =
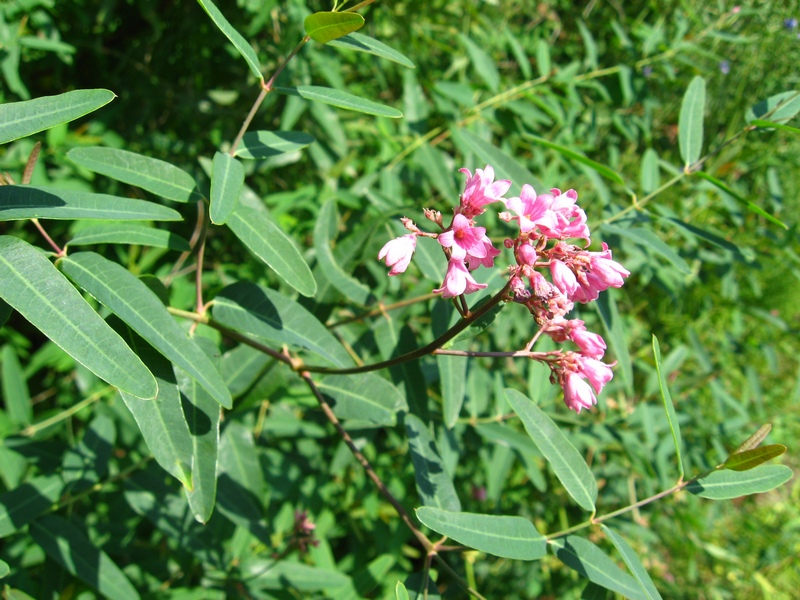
[23,504]
[20,119]
[366,397]
[434,483]
[156,176]
[724,484]
[129,233]
[690,122]
[649,240]
[666,398]
[71,548]
[227,180]
[202,416]
[752,207]
[324,27]
[781,108]
[577,157]
[341,99]
[591,562]
[40,293]
[633,563]
[505,166]
[774,125]
[483,63]
[649,176]
[35,202]
[133,302]
[328,221]
[568,465]
[241,44]
[16,396]
[750,459]
[606,307]
[268,242]
[364,43]
[267,315]
[284,575]
[162,423]
[453,378]
[754,440]
[263,144]
[507,537]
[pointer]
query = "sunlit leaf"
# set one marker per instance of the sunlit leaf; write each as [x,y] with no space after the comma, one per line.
[20,119]
[508,537]
[365,397]
[453,379]
[781,108]
[263,144]
[129,233]
[40,293]
[227,180]
[568,465]
[16,396]
[284,575]
[666,398]
[742,200]
[364,43]
[750,459]
[634,563]
[341,99]
[577,157]
[724,484]
[324,27]
[483,63]
[156,176]
[241,44]
[754,440]
[690,122]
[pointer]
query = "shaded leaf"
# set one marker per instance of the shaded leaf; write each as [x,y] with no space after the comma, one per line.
[34,202]
[750,459]
[724,484]
[365,397]
[754,440]
[156,176]
[227,181]
[453,379]
[364,43]
[269,243]
[752,207]
[508,537]
[263,144]
[23,504]
[568,465]
[634,564]
[16,396]
[324,27]
[666,398]
[649,176]
[649,240]
[241,44]
[20,119]
[434,483]
[283,575]
[781,107]
[341,99]
[40,293]
[483,63]
[690,122]
[606,307]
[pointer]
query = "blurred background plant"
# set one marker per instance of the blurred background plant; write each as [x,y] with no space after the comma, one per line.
[715,282]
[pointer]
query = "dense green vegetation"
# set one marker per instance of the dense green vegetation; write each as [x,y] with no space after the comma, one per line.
[712,278]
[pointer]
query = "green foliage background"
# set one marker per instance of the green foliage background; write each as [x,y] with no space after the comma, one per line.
[722,300]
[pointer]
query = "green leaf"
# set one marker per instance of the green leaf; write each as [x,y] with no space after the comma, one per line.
[262,313]
[666,398]
[543,62]
[649,176]
[16,396]
[227,181]
[324,27]
[284,575]
[87,463]
[366,397]
[690,122]
[156,176]
[5,570]
[400,591]
[327,221]
[23,504]
[20,119]
[202,416]
[483,63]
[453,379]
[478,326]
[781,107]
[564,459]
[162,423]
[519,55]
[649,240]
[5,312]
[634,564]
[40,293]
[754,440]
[724,484]
[750,459]
[69,547]
[341,99]
[364,43]
[39,202]
[773,125]
[129,233]
[606,307]
[263,144]
[577,157]
[507,537]
[241,367]
[268,242]
[241,44]
[750,205]
[132,301]
[434,483]
[505,167]
[591,562]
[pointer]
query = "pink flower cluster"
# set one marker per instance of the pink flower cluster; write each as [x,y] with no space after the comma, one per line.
[546,222]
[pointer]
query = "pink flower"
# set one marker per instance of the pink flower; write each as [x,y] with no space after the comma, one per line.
[458,280]
[577,393]
[531,210]
[527,254]
[480,190]
[591,344]
[598,373]
[601,274]
[563,277]
[398,253]
[570,218]
[462,239]
[473,262]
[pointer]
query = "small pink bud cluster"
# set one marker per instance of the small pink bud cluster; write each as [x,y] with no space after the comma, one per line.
[546,222]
